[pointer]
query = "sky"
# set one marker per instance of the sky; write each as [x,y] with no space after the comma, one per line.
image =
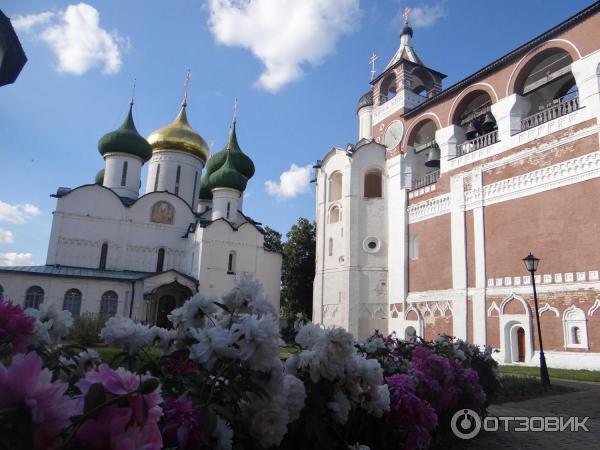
[297,68]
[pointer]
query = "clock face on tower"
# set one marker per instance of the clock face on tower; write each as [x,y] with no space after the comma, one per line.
[393,134]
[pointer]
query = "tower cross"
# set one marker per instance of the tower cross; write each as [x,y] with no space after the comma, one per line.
[374,58]
[186,85]
[405,14]
[235,110]
[132,101]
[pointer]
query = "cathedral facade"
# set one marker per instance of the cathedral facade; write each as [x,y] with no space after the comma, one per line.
[422,225]
[114,252]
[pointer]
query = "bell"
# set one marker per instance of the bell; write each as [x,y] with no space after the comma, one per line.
[433,159]
[471,131]
[489,123]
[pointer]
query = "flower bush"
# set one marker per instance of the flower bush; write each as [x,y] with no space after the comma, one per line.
[216,380]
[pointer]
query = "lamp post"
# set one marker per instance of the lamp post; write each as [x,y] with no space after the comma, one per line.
[531,263]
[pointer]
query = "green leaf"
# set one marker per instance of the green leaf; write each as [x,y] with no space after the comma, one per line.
[95,397]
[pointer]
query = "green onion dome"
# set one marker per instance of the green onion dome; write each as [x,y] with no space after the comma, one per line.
[239,159]
[205,191]
[227,176]
[100,177]
[125,139]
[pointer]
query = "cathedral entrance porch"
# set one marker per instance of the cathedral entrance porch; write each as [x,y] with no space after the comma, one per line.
[162,294]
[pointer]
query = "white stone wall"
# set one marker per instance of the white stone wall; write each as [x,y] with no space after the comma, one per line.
[113,174]
[169,161]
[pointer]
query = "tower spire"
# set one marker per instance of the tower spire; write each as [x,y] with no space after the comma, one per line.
[132,101]
[186,85]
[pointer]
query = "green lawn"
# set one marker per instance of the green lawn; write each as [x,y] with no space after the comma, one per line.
[563,374]
[523,387]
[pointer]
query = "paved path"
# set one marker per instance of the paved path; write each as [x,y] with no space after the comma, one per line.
[584,402]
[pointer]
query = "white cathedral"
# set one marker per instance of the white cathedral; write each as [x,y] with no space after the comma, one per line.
[114,252]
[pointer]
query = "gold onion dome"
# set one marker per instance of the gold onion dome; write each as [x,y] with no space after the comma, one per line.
[179,135]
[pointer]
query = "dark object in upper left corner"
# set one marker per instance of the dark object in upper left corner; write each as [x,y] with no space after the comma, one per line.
[12,56]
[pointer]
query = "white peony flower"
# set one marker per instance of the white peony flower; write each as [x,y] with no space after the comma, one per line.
[54,323]
[378,401]
[124,332]
[223,434]
[309,334]
[192,313]
[268,421]
[340,407]
[259,341]
[309,360]
[358,446]
[163,337]
[373,344]
[296,395]
[212,343]
[372,373]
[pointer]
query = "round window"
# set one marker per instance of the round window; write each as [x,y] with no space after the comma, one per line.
[371,245]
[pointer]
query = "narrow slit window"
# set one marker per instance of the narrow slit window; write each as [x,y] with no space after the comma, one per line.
[124,174]
[228,209]
[156,177]
[160,260]
[103,256]
[177,178]
[231,263]
[330,246]
[195,186]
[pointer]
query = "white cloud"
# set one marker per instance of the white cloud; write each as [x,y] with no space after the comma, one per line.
[75,37]
[16,259]
[283,34]
[422,16]
[292,182]
[26,23]
[17,213]
[6,237]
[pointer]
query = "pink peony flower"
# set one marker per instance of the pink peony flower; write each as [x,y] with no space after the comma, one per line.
[15,327]
[183,426]
[411,417]
[128,425]
[25,382]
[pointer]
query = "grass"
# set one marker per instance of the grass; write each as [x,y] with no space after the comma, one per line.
[562,374]
[518,388]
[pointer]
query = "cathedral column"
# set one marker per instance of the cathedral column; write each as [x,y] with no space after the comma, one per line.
[478,295]
[459,253]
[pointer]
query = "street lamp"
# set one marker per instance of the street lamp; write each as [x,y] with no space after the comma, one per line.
[531,263]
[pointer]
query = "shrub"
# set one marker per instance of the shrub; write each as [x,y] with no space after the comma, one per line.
[86,329]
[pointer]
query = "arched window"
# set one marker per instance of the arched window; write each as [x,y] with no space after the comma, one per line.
[548,85]
[109,303]
[335,186]
[425,153]
[34,296]
[330,246]
[1,292]
[335,214]
[231,263]
[422,82]
[410,333]
[124,174]
[72,302]
[387,88]
[103,256]
[575,328]
[160,260]
[474,115]
[373,181]
[177,179]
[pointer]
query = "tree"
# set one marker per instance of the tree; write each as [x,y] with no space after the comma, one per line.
[273,240]
[298,271]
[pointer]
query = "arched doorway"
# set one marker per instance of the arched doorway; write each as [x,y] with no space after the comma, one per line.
[166,304]
[520,344]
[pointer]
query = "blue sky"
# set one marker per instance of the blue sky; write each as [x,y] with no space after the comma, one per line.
[297,82]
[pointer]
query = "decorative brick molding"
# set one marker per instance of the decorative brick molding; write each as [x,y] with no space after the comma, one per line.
[429,208]
[557,278]
[594,308]
[370,310]
[547,307]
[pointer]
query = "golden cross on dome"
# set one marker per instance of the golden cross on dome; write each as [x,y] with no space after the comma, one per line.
[186,85]
[374,58]
[132,101]
[405,14]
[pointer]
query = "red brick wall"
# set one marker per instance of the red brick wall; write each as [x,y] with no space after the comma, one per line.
[433,268]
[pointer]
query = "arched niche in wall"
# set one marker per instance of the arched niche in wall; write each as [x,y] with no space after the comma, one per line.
[546,79]
[335,186]
[473,114]
[424,151]
[388,88]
